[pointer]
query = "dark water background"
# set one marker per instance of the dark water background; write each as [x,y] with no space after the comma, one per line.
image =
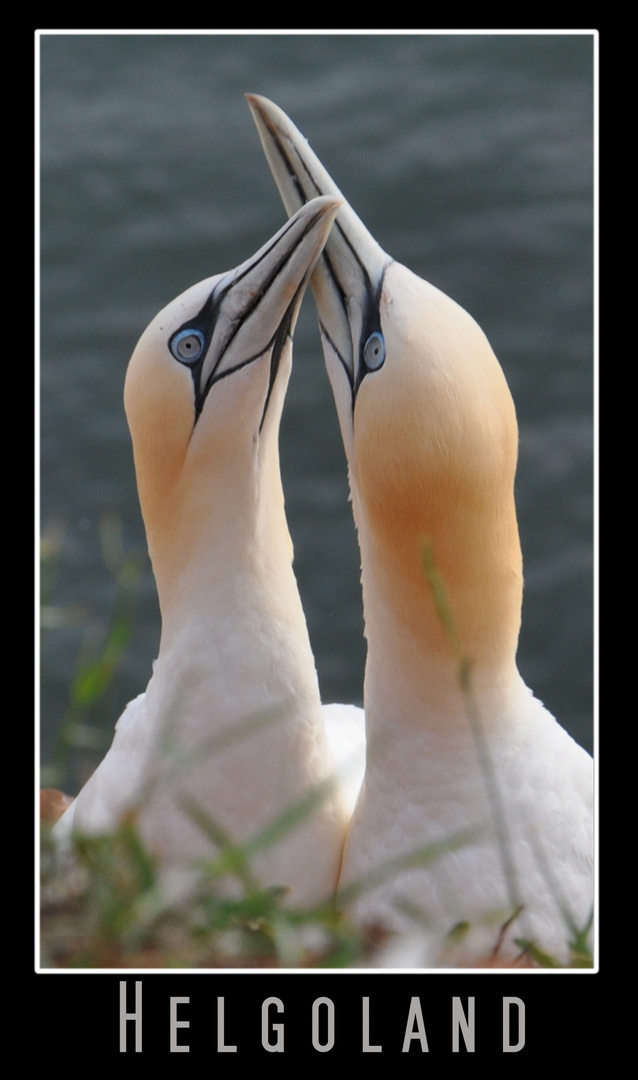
[469,157]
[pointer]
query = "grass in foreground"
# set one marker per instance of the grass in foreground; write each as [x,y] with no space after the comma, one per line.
[111,912]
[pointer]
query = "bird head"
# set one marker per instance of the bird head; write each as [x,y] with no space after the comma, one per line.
[427,419]
[204,392]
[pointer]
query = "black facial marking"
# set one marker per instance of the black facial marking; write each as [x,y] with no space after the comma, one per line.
[370,325]
[199,328]
[190,344]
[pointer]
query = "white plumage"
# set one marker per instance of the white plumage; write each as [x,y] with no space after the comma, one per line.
[460,754]
[230,725]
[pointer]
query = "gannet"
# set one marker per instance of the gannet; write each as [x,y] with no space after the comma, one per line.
[230,729]
[462,760]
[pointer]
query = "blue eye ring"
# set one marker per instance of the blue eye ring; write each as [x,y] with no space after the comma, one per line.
[187,345]
[374,351]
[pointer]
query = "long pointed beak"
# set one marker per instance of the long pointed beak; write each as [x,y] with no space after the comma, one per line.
[348,277]
[266,290]
[252,309]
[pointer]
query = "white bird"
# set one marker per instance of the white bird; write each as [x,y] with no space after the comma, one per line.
[462,759]
[230,728]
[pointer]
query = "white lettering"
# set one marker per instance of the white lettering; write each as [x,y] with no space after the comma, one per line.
[417,1030]
[322,1047]
[279,1028]
[136,1016]
[508,1048]
[367,1049]
[462,1023]
[175,1024]
[221,1045]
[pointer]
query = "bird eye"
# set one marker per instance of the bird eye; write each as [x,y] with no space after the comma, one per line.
[374,351]
[187,346]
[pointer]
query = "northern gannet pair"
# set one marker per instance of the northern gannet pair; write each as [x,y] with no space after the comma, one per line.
[230,733]
[462,760]
[460,754]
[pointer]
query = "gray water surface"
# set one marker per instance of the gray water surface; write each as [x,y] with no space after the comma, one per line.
[469,157]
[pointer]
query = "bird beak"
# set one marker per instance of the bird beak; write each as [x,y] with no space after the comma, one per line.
[266,290]
[348,277]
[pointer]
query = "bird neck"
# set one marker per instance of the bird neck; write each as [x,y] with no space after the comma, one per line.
[442,602]
[222,558]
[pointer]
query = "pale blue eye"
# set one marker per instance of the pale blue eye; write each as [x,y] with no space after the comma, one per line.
[374,351]
[187,346]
